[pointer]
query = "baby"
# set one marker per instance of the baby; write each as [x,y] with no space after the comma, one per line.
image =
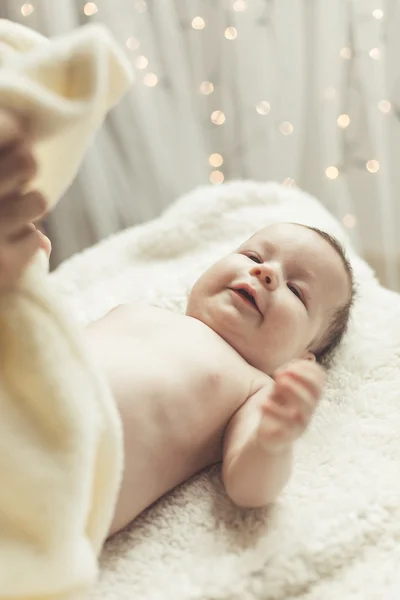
[234,380]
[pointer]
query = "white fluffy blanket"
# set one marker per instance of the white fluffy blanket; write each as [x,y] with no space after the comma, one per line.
[335,532]
[60,437]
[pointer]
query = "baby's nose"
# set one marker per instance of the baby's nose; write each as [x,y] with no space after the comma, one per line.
[267,275]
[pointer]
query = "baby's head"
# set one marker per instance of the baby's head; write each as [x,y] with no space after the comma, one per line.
[285,293]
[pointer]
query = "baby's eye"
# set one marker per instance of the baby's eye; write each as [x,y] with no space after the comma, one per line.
[295,291]
[254,257]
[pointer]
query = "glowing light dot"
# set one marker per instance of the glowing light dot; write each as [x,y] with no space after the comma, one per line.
[217,177]
[218,117]
[384,106]
[150,79]
[346,53]
[332,172]
[206,87]
[286,128]
[141,62]
[375,53]
[263,107]
[349,221]
[231,33]
[289,182]
[239,6]
[90,9]
[132,43]
[372,166]
[377,13]
[343,121]
[215,159]
[329,93]
[198,23]
[26,10]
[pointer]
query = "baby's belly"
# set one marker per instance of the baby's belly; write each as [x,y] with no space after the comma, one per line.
[173,402]
[157,458]
[158,464]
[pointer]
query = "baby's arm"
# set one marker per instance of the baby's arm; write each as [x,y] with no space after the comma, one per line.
[258,443]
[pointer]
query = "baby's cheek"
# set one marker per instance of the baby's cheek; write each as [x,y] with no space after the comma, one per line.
[293,325]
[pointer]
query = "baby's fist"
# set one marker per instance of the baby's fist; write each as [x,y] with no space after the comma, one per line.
[289,407]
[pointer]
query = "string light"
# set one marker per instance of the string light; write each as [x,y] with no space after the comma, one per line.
[206,87]
[377,13]
[329,93]
[372,166]
[332,172]
[217,177]
[343,121]
[349,221]
[218,117]
[150,79]
[289,182]
[239,6]
[215,159]
[132,43]
[141,62]
[26,10]
[198,23]
[263,107]
[286,128]
[231,33]
[345,53]
[384,106]
[375,53]
[90,9]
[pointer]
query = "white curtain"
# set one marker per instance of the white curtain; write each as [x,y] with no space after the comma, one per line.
[305,92]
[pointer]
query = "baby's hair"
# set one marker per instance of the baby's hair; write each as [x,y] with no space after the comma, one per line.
[338,325]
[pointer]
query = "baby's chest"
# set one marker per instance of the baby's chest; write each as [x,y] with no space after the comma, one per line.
[174,366]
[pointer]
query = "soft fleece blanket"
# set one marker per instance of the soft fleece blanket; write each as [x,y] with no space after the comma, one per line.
[335,532]
[60,435]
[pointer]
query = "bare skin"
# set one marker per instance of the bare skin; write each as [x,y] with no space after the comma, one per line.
[174,409]
[175,403]
[197,389]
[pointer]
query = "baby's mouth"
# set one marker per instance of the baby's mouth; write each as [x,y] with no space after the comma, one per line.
[247,296]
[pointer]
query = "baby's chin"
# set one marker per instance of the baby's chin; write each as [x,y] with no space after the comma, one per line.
[227,327]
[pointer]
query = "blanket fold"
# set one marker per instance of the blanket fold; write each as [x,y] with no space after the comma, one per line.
[60,435]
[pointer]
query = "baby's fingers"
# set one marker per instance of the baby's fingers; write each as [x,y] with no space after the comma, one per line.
[295,397]
[287,414]
[306,373]
[279,426]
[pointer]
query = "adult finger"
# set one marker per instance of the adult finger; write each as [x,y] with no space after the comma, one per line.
[17,166]
[18,211]
[15,255]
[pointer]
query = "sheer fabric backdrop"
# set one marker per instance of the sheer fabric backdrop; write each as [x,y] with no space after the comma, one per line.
[306,93]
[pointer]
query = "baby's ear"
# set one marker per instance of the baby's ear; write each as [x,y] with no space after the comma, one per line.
[309,356]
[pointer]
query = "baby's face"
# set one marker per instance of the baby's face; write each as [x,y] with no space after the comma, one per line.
[272,299]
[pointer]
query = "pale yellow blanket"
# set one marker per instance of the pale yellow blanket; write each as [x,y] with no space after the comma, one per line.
[60,436]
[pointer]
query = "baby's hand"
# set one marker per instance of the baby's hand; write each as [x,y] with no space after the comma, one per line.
[19,238]
[289,407]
